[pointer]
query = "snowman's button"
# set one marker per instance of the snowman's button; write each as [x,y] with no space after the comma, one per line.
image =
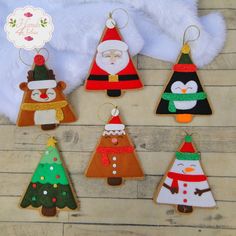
[114,172]
[185,185]
[185,200]
[114,158]
[184,192]
[114,165]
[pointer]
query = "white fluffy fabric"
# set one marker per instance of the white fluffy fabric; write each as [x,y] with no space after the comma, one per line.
[155,29]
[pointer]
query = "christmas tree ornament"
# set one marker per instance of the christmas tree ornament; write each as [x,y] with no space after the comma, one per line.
[184,95]
[112,69]
[114,157]
[43,102]
[50,187]
[185,184]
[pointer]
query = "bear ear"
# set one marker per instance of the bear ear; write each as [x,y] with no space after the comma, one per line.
[23,86]
[61,85]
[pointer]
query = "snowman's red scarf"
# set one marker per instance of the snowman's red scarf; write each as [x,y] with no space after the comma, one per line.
[183,177]
[116,150]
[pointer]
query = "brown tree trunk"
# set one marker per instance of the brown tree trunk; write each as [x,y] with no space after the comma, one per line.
[114,181]
[49,211]
[184,209]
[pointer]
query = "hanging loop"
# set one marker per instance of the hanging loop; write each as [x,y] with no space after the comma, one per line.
[111,16]
[115,108]
[37,51]
[43,49]
[186,31]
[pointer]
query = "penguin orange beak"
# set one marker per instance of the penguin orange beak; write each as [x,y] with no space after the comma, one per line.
[189,169]
[184,90]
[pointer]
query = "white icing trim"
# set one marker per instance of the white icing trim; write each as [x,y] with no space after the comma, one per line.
[117,132]
[42,84]
[112,45]
[109,127]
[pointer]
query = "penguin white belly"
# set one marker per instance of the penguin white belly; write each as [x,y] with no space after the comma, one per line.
[185,105]
[45,117]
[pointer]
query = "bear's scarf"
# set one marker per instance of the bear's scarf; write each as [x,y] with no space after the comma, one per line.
[46,106]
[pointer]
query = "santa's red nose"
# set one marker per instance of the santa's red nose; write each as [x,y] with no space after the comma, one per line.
[43,95]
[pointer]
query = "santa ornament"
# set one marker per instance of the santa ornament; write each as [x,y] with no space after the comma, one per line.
[50,187]
[185,184]
[112,68]
[114,157]
[184,95]
[43,102]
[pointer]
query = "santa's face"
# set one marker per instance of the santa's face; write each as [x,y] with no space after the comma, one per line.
[43,95]
[112,61]
[187,167]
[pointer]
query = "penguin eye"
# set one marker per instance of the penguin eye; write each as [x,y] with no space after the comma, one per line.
[189,87]
[180,164]
[177,88]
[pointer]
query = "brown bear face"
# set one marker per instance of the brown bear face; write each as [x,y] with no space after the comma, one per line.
[44,95]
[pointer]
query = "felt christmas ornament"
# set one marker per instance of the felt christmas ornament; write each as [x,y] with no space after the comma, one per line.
[50,188]
[112,69]
[155,29]
[183,95]
[185,184]
[43,102]
[114,157]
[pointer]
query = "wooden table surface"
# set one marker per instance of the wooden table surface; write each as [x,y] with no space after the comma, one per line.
[129,210]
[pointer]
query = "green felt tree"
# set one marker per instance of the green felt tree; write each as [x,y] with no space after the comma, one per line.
[50,187]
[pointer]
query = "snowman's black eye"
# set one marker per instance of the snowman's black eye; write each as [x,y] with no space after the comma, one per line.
[193,165]
[180,164]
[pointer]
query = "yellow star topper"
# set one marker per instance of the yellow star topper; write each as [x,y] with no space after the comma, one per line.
[51,142]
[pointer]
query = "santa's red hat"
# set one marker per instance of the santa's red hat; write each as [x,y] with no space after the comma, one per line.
[111,38]
[115,123]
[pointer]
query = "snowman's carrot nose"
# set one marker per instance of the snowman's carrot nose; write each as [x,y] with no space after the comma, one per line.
[189,169]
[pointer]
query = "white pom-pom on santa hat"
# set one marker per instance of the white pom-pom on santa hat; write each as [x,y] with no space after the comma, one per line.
[115,122]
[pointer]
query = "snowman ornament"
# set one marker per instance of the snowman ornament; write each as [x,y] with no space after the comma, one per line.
[185,184]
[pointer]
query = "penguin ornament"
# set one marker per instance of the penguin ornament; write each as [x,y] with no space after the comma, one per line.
[183,95]
[185,184]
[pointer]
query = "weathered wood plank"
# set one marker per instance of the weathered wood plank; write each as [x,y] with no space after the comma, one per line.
[121,230]
[221,187]
[153,138]
[128,211]
[224,61]
[217,4]
[30,229]
[15,185]
[135,104]
[153,163]
[207,77]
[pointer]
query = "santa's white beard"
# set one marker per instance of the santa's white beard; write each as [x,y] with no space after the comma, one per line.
[115,68]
